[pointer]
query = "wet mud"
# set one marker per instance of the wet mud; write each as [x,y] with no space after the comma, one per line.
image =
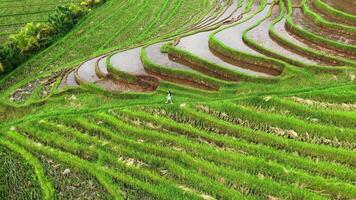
[260,34]
[86,72]
[300,19]
[128,61]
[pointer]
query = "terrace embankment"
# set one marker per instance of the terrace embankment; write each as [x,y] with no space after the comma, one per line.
[185,58]
[300,19]
[260,39]
[237,41]
[194,56]
[129,62]
[295,44]
[347,6]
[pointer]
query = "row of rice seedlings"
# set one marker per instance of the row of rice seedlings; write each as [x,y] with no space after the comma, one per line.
[288,107]
[260,116]
[260,122]
[70,183]
[153,119]
[99,172]
[34,175]
[129,188]
[342,155]
[212,14]
[26,9]
[323,22]
[144,33]
[338,95]
[171,15]
[196,18]
[134,25]
[20,4]
[14,19]
[137,153]
[175,17]
[111,28]
[250,163]
[113,159]
[104,20]
[111,136]
[220,173]
[144,177]
[306,13]
[24,13]
[323,152]
[314,37]
[324,105]
[329,10]
[183,93]
[49,139]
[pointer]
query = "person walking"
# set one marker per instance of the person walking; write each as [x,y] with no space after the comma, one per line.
[169,97]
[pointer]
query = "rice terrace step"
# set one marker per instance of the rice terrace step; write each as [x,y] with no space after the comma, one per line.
[178,99]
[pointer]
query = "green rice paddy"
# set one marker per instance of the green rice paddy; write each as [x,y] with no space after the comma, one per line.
[264,103]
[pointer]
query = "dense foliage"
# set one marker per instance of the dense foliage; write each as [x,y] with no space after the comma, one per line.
[34,37]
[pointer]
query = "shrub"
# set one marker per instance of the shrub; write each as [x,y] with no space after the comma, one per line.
[65,17]
[30,36]
[11,56]
[34,37]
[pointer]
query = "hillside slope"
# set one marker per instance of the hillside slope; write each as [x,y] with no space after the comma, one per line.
[264,104]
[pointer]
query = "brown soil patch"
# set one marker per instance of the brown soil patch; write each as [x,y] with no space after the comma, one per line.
[143,84]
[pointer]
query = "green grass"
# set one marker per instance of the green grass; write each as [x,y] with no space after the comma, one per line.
[106,29]
[290,137]
[26,169]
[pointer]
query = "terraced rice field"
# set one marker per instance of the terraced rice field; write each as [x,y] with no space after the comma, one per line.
[264,104]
